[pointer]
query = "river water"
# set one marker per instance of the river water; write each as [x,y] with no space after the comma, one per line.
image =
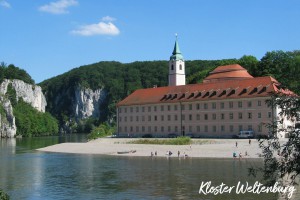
[29,174]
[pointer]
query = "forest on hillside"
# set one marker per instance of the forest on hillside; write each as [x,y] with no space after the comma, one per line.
[119,79]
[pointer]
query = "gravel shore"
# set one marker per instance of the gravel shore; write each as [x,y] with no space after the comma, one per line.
[201,148]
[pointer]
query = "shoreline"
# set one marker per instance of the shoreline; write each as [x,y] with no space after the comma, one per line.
[212,148]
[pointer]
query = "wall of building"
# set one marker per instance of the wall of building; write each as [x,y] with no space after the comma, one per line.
[220,118]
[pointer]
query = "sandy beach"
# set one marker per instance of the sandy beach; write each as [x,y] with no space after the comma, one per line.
[212,148]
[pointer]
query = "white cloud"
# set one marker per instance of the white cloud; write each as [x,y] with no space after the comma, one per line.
[108,19]
[4,3]
[101,28]
[58,7]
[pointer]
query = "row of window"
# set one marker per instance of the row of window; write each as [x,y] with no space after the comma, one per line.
[190,117]
[191,129]
[198,106]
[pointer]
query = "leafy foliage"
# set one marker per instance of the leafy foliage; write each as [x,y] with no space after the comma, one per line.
[31,122]
[103,130]
[281,158]
[3,195]
[13,72]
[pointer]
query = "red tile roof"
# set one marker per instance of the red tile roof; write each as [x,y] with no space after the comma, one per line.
[228,72]
[231,89]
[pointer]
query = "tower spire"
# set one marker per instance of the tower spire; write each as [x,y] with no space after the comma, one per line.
[176,54]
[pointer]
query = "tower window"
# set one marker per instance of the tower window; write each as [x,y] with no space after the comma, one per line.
[180,67]
[172,67]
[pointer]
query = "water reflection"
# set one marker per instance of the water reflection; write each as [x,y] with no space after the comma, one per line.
[36,175]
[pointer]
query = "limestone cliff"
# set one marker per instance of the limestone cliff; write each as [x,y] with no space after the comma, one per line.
[31,94]
[87,102]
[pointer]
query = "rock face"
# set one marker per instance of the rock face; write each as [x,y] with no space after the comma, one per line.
[31,94]
[87,102]
[7,120]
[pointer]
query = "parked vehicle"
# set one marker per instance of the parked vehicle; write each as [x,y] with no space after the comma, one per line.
[246,134]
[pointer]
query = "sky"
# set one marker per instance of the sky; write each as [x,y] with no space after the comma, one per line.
[50,37]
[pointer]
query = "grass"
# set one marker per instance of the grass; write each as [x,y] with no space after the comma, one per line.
[173,141]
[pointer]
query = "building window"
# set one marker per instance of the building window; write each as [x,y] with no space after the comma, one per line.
[149,108]
[125,119]
[269,114]
[162,129]
[155,109]
[222,116]
[155,129]
[214,128]
[249,104]
[240,127]
[120,119]
[175,117]
[169,107]
[137,118]
[231,128]
[230,104]
[230,115]
[137,129]
[149,129]
[249,127]
[143,109]
[137,109]
[143,128]
[249,115]
[205,105]
[169,128]
[259,128]
[162,108]
[125,110]
[176,129]
[125,128]
[198,116]
[222,128]
[259,103]
[172,67]
[149,118]
[205,116]
[258,115]
[183,117]
[222,105]
[198,128]
[131,129]
[162,118]
[169,117]
[131,109]
[182,107]
[120,110]
[214,116]
[190,106]
[131,118]
[155,118]
[190,117]
[198,106]
[240,115]
[205,128]
[213,105]
[240,104]
[180,67]
[175,107]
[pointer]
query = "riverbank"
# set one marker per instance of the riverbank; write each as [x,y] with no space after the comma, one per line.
[201,148]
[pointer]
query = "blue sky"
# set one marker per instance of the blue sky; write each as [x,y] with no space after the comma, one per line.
[50,37]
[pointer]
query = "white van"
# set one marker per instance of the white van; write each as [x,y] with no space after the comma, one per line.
[246,134]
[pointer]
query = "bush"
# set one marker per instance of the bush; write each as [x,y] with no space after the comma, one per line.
[3,195]
[103,130]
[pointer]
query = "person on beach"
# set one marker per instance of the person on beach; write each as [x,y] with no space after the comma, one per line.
[246,153]
[178,153]
[249,141]
[236,144]
[155,153]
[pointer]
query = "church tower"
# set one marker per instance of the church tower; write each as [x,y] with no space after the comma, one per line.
[176,67]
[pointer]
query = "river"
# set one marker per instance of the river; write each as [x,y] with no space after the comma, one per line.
[29,174]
